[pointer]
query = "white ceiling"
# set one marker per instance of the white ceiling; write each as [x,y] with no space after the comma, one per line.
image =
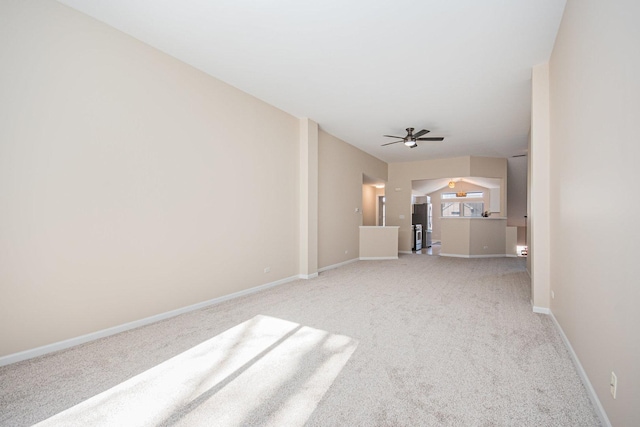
[361,69]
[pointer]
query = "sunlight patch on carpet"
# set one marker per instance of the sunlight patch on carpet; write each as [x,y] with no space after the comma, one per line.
[264,370]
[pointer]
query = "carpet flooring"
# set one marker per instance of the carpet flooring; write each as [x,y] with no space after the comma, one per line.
[429,341]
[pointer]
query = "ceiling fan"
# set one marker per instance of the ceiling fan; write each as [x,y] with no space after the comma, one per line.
[412,138]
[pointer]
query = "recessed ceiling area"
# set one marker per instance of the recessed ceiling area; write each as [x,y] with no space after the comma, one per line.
[372,181]
[423,187]
[361,69]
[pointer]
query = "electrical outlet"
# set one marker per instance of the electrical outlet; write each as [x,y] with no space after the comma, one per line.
[267,269]
[613,384]
[486,247]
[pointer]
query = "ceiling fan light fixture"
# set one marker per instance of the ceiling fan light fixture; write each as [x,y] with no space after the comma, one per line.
[411,140]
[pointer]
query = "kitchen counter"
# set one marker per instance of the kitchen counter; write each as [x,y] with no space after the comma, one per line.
[378,242]
[473,237]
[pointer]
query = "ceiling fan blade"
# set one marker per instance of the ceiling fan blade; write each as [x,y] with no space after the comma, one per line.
[420,133]
[435,138]
[394,142]
[393,136]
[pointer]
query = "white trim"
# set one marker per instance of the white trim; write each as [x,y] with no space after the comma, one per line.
[474,256]
[511,256]
[307,276]
[405,252]
[583,376]
[376,258]
[340,264]
[72,342]
[541,310]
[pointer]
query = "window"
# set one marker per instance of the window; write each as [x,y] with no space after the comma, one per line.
[467,195]
[450,208]
[464,209]
[472,209]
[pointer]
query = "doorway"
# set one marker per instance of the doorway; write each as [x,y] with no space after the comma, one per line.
[382,211]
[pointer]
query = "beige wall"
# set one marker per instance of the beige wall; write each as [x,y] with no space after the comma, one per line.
[521,239]
[339,194]
[369,201]
[540,253]
[595,106]
[378,242]
[308,198]
[474,237]
[457,231]
[528,222]
[512,241]
[517,191]
[517,169]
[398,188]
[488,236]
[492,167]
[131,183]
[436,202]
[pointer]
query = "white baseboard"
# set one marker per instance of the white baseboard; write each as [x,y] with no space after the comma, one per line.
[583,376]
[405,252]
[308,276]
[374,258]
[72,342]
[340,264]
[511,256]
[541,310]
[474,256]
